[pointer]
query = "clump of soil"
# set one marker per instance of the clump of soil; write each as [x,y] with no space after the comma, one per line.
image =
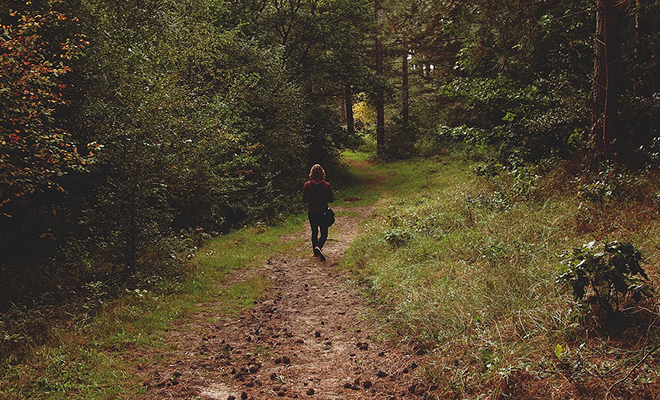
[311,336]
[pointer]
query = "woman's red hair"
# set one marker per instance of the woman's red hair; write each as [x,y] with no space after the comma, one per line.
[317,172]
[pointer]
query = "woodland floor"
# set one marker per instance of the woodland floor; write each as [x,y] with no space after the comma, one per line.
[311,336]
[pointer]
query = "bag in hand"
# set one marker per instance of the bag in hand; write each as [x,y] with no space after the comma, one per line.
[329,217]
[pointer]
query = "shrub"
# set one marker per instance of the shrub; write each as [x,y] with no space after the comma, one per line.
[609,185]
[515,181]
[610,273]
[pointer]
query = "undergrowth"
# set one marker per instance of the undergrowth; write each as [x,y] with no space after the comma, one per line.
[463,263]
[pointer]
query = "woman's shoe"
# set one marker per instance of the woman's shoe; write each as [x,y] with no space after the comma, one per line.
[320,253]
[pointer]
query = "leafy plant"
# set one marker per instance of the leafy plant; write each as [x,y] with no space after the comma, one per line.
[515,181]
[656,201]
[397,236]
[608,186]
[609,273]
[34,148]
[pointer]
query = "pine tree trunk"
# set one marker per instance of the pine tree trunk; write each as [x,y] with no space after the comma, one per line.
[606,81]
[405,109]
[348,105]
[342,109]
[380,101]
[636,52]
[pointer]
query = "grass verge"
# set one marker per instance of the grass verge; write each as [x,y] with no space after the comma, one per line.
[82,359]
[463,268]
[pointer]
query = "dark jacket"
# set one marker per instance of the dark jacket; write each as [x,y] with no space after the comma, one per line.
[317,194]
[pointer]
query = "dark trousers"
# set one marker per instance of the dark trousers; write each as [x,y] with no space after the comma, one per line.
[316,223]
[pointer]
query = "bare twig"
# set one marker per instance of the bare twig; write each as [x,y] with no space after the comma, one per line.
[607,395]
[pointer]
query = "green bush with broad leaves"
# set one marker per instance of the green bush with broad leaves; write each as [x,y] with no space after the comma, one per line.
[610,273]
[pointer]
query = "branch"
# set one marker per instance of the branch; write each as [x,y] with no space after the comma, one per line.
[607,395]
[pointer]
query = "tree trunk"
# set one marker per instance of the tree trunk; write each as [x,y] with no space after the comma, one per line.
[606,81]
[636,52]
[380,101]
[348,105]
[342,109]
[405,109]
[132,225]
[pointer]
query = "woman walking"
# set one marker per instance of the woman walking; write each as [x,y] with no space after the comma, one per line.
[317,193]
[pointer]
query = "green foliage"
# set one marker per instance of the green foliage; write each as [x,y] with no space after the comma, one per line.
[610,272]
[516,181]
[325,138]
[321,45]
[523,86]
[444,137]
[521,72]
[527,120]
[215,141]
[397,236]
[500,92]
[194,129]
[610,185]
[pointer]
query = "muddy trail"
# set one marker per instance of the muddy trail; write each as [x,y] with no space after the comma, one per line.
[311,336]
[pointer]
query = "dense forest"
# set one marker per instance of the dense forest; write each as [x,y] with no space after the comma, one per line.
[131,130]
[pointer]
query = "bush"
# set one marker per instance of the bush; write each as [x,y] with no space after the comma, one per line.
[515,181]
[609,273]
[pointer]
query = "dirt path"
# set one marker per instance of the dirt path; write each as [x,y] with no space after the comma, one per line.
[311,336]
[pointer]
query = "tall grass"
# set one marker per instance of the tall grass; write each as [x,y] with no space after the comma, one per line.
[464,268]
